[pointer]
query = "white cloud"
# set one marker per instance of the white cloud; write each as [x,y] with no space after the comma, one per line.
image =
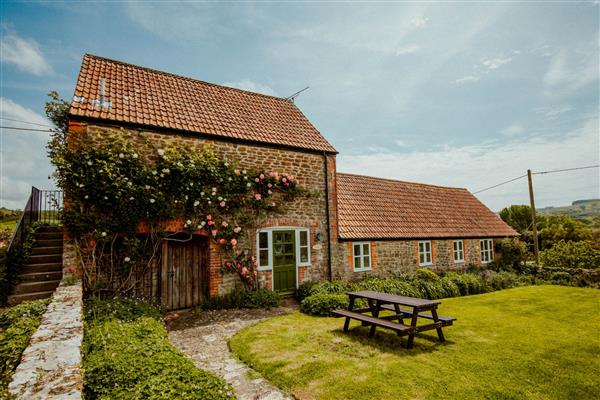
[481,165]
[467,79]
[408,49]
[23,160]
[554,112]
[495,63]
[25,54]
[513,130]
[246,84]
[419,21]
[400,143]
[568,72]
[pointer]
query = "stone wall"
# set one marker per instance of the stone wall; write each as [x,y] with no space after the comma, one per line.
[50,366]
[307,167]
[391,257]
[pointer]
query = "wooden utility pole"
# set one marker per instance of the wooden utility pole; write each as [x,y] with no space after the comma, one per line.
[533,225]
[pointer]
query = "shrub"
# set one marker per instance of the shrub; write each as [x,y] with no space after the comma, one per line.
[4,283]
[242,298]
[426,274]
[119,308]
[304,290]
[467,283]
[562,278]
[324,303]
[501,280]
[514,254]
[134,360]
[16,327]
[571,255]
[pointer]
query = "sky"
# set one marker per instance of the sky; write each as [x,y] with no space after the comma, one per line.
[465,94]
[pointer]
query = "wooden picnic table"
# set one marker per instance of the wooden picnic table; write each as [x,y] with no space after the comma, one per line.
[419,308]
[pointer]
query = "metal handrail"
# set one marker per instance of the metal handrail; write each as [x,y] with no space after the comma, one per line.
[43,206]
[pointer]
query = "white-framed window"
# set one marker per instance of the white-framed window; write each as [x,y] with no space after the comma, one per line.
[486,249]
[458,251]
[361,255]
[425,252]
[264,246]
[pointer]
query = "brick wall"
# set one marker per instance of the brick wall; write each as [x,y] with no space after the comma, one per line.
[390,257]
[308,168]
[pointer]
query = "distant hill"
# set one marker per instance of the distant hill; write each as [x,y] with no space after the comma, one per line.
[579,209]
[7,215]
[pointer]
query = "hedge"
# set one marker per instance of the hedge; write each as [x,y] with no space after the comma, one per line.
[127,355]
[17,324]
[323,297]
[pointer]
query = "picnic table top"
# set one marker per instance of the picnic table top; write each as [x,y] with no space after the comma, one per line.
[394,299]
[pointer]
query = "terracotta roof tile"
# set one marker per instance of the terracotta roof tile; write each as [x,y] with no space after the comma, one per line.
[144,96]
[374,208]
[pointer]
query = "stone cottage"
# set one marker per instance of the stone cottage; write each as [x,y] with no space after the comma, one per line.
[355,226]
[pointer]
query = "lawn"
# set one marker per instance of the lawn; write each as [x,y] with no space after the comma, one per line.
[539,342]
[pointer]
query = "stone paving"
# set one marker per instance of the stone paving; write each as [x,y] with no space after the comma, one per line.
[50,365]
[203,337]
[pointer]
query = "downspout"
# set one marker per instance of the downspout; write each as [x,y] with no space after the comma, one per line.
[328,216]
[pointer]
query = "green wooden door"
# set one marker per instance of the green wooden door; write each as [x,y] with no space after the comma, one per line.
[284,261]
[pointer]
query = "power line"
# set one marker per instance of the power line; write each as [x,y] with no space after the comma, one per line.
[26,129]
[537,173]
[500,184]
[567,169]
[25,122]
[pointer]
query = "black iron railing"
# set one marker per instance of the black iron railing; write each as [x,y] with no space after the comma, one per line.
[43,206]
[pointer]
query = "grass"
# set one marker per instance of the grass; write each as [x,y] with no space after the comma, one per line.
[537,342]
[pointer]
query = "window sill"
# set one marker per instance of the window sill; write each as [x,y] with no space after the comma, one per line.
[363,270]
[459,261]
[426,264]
[264,268]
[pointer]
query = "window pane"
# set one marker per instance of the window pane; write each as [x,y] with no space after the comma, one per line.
[356,262]
[367,262]
[303,238]
[303,254]
[357,249]
[420,247]
[366,249]
[428,246]
[263,240]
[263,257]
[428,257]
[421,258]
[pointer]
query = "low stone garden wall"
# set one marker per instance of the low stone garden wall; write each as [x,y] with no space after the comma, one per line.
[50,366]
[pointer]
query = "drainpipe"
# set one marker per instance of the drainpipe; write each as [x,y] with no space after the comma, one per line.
[328,216]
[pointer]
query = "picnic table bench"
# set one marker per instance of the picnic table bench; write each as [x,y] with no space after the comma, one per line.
[389,302]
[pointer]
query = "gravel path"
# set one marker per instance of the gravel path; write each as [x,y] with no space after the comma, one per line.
[203,337]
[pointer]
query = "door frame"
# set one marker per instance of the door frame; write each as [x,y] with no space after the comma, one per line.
[284,229]
[296,229]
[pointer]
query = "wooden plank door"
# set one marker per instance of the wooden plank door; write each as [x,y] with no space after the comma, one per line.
[184,273]
[284,261]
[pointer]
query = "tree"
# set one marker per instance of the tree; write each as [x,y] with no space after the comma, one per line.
[555,228]
[517,216]
[57,111]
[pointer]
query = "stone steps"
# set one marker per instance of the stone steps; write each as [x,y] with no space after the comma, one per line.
[15,299]
[42,272]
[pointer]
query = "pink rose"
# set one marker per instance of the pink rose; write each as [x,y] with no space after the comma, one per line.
[257,196]
[244,271]
[224,224]
[228,263]
[211,223]
[272,174]
[262,176]
[221,241]
[233,242]
[256,180]
[237,229]
[209,217]
[270,185]
[214,232]
[270,192]
[283,180]
[222,204]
